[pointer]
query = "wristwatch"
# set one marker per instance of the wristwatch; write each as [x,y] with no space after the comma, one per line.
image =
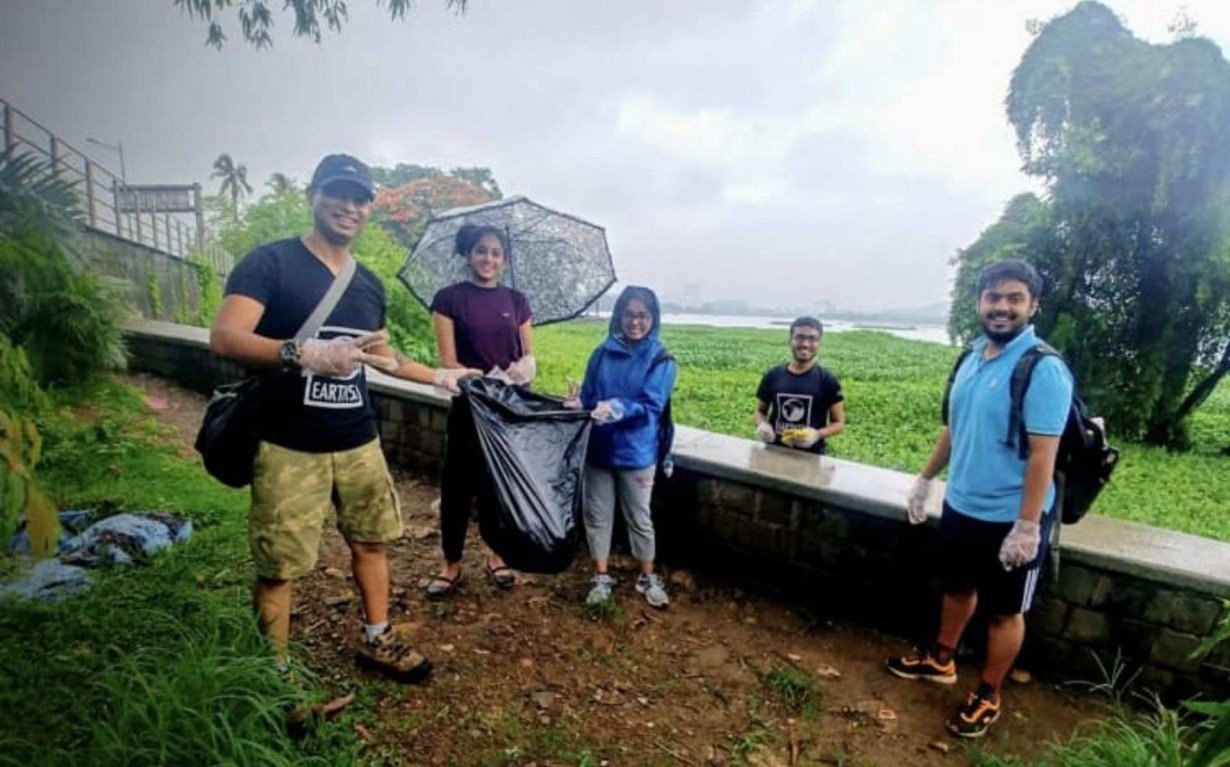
[289,353]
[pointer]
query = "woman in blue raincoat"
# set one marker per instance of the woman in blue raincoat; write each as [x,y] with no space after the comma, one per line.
[627,384]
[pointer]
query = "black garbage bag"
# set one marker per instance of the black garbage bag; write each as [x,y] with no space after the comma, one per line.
[534,450]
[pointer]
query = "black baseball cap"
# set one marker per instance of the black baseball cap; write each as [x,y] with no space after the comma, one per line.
[342,167]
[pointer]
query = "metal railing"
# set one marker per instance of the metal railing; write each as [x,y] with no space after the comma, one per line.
[100,193]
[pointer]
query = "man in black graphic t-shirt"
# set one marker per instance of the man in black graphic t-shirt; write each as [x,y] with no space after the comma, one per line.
[319,453]
[799,404]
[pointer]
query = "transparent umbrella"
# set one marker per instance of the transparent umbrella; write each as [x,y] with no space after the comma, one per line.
[560,262]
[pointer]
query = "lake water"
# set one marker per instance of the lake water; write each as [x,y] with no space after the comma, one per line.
[933,333]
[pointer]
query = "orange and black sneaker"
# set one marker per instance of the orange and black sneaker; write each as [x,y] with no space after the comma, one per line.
[974,718]
[923,666]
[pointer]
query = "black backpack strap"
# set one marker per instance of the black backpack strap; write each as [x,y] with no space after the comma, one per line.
[663,356]
[952,377]
[1022,374]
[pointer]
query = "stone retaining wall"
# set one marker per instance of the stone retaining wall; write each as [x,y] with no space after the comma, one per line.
[1128,602]
[163,287]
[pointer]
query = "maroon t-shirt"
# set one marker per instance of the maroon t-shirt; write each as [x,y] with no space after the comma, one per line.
[486,323]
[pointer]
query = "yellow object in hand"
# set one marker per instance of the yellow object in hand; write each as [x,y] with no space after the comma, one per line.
[790,435]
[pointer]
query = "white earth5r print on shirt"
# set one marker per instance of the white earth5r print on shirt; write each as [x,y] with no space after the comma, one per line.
[337,393]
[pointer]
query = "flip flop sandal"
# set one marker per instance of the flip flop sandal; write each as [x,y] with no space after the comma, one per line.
[501,577]
[442,588]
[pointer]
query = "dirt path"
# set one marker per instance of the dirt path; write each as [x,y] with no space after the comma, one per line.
[525,677]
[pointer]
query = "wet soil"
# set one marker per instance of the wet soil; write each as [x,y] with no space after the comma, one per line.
[530,677]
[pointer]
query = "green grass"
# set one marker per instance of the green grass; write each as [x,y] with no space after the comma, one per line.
[795,690]
[893,389]
[1157,739]
[159,664]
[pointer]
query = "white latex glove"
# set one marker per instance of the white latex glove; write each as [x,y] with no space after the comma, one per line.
[807,438]
[1021,544]
[447,378]
[915,502]
[765,433]
[572,400]
[607,411]
[499,374]
[341,356]
[522,371]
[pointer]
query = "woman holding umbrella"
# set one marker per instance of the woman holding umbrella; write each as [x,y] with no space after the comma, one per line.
[628,381]
[482,324]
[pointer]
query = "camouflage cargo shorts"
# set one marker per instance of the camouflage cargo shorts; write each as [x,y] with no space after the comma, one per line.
[294,494]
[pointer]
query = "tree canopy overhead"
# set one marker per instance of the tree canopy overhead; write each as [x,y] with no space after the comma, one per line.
[310,17]
[1133,236]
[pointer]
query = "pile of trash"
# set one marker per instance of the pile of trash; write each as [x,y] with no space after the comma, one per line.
[122,539]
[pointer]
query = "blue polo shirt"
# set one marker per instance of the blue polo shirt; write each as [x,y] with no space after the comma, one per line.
[986,476]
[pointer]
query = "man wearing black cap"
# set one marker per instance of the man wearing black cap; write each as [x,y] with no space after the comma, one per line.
[319,452]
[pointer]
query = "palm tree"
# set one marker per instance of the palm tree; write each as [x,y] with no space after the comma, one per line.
[280,184]
[234,180]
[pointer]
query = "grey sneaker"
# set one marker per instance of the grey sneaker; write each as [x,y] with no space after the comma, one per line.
[601,592]
[654,589]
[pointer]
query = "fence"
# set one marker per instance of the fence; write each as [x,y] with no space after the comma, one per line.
[101,208]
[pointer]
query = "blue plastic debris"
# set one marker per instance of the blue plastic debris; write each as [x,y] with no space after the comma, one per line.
[71,524]
[126,537]
[48,581]
[121,539]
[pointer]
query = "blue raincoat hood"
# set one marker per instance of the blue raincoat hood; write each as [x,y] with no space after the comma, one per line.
[647,296]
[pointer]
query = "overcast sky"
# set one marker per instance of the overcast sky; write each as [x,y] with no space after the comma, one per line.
[776,151]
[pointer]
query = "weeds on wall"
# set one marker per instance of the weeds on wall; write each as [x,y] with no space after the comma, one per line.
[209,288]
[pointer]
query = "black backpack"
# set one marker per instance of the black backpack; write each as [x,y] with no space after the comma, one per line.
[666,425]
[1085,459]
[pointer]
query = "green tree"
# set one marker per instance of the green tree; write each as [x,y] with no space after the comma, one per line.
[280,183]
[234,178]
[66,320]
[404,209]
[256,18]
[1023,231]
[59,324]
[1130,140]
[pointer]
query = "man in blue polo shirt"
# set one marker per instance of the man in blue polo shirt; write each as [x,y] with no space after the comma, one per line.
[999,508]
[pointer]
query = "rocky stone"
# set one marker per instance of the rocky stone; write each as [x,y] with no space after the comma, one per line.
[682,580]
[1048,616]
[439,421]
[1087,626]
[775,509]
[1076,584]
[1173,650]
[736,497]
[1136,637]
[1193,614]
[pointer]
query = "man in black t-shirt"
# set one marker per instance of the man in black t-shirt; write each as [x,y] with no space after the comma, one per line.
[799,404]
[319,452]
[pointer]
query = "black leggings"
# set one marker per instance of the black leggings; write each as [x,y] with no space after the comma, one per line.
[465,476]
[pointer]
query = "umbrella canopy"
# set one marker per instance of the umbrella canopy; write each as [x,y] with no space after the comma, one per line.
[561,263]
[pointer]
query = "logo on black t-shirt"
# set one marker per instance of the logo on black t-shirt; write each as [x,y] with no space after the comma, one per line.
[793,411]
[337,393]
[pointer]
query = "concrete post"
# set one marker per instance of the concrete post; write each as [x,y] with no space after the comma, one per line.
[200,216]
[90,203]
[9,139]
[115,196]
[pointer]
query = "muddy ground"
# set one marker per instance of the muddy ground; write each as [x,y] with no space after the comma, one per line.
[723,677]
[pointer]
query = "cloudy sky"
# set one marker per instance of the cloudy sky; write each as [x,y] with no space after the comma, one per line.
[779,151]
